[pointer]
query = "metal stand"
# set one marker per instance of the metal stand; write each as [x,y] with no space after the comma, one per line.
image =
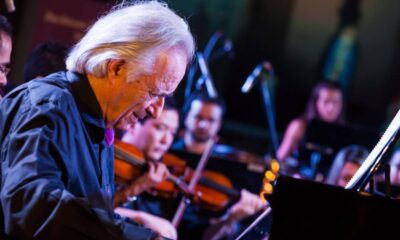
[269,109]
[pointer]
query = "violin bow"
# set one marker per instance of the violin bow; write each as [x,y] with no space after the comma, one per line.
[193,182]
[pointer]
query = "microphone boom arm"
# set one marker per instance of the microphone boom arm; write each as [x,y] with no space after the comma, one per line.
[251,80]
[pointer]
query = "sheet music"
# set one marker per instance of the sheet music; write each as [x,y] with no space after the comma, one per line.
[376,154]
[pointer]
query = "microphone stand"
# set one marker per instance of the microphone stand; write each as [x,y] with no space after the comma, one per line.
[193,68]
[269,113]
[258,74]
[189,82]
[274,140]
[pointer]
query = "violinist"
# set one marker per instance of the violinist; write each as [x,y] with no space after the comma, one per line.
[203,120]
[152,137]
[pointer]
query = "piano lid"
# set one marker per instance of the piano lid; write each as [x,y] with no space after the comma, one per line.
[374,159]
[303,209]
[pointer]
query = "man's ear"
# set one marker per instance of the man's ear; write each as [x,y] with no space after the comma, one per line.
[116,67]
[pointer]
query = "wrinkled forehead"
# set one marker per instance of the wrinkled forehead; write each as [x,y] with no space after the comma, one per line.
[171,65]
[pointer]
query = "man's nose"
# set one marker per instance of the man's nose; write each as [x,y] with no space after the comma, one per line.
[203,123]
[155,108]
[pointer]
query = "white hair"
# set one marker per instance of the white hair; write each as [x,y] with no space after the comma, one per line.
[134,33]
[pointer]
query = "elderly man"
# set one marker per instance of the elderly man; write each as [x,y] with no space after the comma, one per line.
[56,132]
[5,51]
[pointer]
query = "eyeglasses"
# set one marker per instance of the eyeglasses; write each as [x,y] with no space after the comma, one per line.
[4,69]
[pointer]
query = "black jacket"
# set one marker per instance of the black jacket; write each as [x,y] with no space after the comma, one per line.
[56,168]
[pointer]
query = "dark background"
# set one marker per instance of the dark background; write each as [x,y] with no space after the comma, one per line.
[294,35]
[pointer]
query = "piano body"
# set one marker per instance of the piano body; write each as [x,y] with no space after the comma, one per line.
[303,209]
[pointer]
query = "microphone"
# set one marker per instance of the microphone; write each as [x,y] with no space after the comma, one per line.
[10,5]
[212,92]
[228,45]
[227,48]
[251,79]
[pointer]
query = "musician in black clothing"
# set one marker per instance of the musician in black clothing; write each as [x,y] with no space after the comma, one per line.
[325,104]
[56,132]
[202,121]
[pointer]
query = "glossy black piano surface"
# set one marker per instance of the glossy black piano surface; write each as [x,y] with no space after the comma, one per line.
[308,210]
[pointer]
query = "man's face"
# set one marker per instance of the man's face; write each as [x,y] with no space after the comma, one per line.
[5,54]
[155,136]
[145,94]
[203,120]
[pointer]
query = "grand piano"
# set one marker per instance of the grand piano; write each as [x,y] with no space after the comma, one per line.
[303,209]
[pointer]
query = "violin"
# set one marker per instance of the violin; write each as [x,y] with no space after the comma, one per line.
[129,164]
[214,191]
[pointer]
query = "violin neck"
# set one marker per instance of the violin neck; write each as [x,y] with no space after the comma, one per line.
[120,153]
[232,193]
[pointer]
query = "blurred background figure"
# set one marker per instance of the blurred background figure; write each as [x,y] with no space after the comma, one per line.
[203,118]
[151,138]
[202,122]
[46,58]
[326,104]
[5,52]
[345,165]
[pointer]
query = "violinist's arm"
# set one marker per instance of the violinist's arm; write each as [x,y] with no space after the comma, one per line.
[159,225]
[157,173]
[248,205]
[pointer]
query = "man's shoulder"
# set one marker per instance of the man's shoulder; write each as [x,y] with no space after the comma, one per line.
[41,94]
[53,88]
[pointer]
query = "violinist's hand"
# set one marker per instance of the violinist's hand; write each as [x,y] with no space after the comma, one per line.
[157,173]
[159,225]
[248,205]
